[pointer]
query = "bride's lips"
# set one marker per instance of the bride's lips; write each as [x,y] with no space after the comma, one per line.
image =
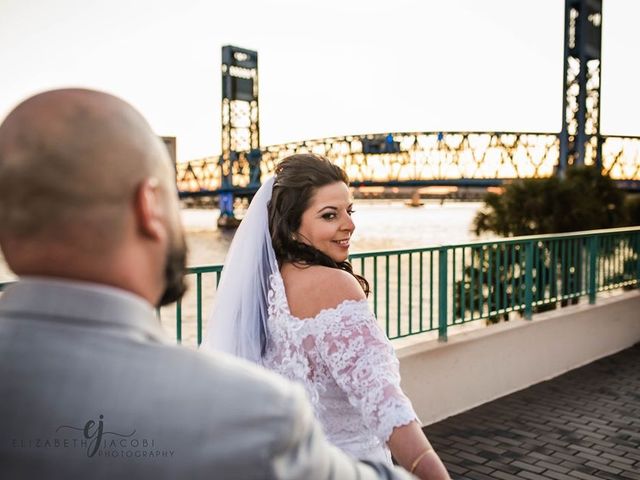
[343,243]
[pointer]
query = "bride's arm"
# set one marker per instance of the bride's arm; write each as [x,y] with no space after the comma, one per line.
[412,450]
[362,361]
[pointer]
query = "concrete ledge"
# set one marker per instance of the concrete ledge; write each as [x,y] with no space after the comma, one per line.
[472,368]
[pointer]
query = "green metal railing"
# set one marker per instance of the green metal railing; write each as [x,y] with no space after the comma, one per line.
[198,273]
[436,288]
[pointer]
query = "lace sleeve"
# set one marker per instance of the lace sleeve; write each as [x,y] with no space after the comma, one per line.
[363,363]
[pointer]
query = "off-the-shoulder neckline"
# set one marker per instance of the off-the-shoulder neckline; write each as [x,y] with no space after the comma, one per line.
[325,311]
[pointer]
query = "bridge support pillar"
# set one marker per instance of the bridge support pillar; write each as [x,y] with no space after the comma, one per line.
[227,217]
[580,142]
[240,159]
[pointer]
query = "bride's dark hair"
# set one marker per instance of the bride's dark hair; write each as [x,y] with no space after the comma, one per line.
[297,179]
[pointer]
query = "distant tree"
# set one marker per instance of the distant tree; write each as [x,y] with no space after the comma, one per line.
[583,200]
[596,201]
[633,220]
[633,210]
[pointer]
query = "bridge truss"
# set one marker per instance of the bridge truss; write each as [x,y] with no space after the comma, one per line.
[419,159]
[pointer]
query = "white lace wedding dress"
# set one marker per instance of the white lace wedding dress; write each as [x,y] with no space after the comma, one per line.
[348,368]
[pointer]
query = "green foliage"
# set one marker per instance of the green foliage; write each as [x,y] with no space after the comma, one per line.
[633,210]
[583,200]
[633,219]
[494,278]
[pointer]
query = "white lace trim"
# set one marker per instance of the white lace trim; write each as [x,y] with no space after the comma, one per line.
[346,364]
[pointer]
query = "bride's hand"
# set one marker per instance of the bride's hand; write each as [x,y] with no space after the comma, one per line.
[412,450]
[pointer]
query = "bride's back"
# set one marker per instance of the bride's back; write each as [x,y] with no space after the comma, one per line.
[311,289]
[323,335]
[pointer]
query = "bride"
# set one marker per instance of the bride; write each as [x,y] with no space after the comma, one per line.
[290,301]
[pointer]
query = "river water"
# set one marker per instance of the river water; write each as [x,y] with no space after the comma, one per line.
[380,225]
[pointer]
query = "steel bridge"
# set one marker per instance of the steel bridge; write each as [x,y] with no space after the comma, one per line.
[421,159]
[424,158]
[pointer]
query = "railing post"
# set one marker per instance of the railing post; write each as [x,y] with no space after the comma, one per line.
[593,262]
[179,321]
[442,294]
[528,280]
[199,306]
[637,237]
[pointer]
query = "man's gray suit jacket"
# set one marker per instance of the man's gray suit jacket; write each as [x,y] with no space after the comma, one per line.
[90,387]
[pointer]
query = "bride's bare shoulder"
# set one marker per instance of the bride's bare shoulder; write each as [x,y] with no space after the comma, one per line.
[311,289]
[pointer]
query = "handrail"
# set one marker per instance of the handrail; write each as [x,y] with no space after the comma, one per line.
[435,288]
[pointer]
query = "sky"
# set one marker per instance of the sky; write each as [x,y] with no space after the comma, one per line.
[326,68]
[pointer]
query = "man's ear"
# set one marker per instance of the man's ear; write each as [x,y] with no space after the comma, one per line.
[149,210]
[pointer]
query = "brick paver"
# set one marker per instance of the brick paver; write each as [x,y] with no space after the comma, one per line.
[582,425]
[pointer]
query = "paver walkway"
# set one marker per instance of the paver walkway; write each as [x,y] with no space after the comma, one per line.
[584,424]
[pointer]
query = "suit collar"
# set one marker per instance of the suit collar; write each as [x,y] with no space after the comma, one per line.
[83,303]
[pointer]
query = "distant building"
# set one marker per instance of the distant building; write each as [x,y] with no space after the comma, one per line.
[170,143]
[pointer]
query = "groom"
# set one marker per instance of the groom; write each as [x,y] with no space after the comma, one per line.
[89,385]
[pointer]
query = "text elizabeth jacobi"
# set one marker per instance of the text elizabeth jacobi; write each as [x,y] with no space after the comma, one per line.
[96,441]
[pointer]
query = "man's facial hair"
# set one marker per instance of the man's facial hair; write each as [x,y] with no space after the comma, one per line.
[175,270]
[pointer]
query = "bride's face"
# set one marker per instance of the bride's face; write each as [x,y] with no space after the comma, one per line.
[326,224]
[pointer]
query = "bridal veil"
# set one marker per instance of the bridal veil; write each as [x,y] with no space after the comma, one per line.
[238,321]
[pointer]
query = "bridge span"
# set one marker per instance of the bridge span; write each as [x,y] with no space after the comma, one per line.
[418,159]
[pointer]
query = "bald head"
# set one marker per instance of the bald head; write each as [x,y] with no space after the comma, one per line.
[87,193]
[73,158]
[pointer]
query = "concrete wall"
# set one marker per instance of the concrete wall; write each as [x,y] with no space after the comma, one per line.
[472,368]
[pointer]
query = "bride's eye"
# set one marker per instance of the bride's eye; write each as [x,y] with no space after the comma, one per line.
[329,216]
[351,212]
